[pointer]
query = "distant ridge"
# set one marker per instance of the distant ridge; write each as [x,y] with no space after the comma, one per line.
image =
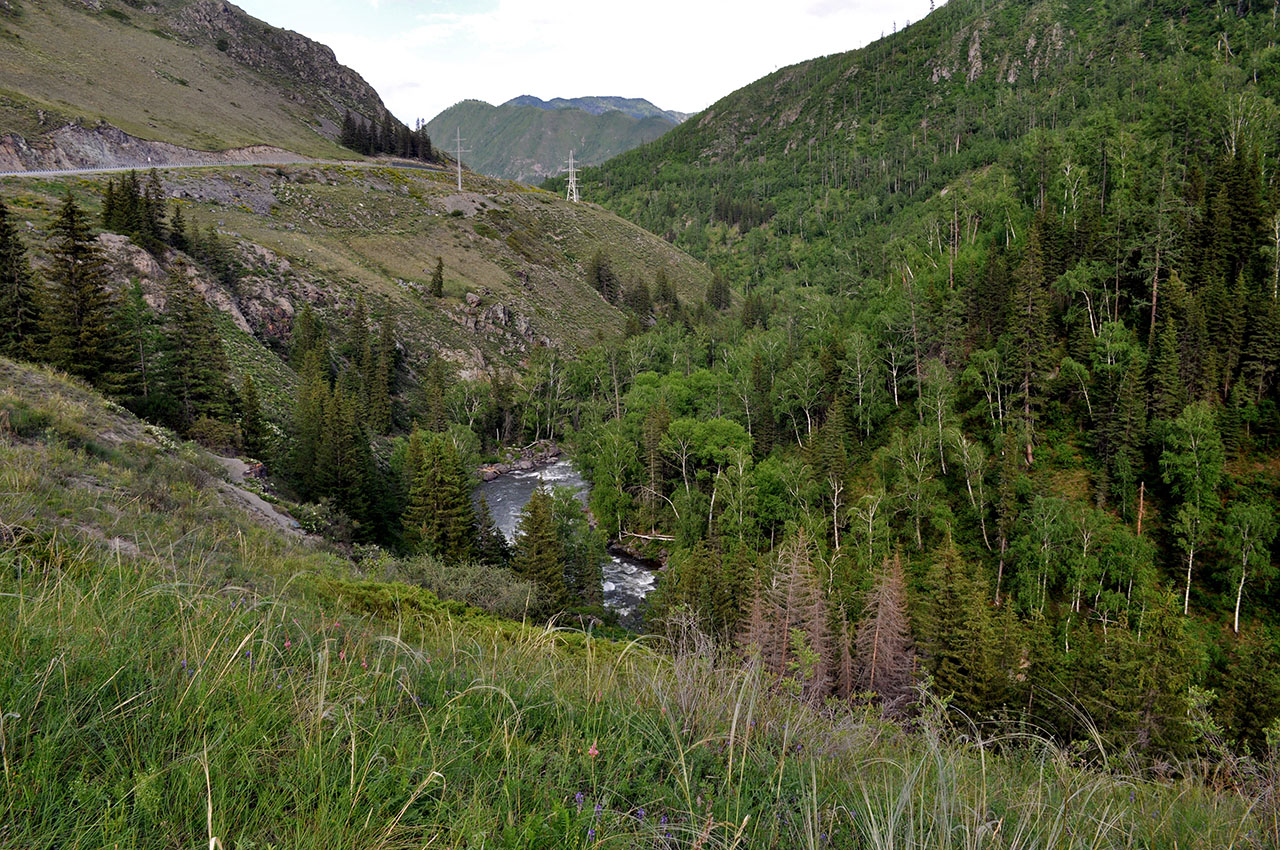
[636,107]
[528,139]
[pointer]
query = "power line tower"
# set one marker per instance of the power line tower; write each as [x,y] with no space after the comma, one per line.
[458,158]
[572,193]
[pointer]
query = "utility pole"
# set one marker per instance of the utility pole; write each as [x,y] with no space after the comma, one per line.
[458,158]
[572,193]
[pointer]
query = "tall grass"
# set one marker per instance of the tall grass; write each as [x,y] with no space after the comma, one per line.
[144,712]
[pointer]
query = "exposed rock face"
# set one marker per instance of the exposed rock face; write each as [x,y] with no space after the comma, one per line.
[105,146]
[280,53]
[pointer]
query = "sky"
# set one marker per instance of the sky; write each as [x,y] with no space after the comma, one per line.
[423,56]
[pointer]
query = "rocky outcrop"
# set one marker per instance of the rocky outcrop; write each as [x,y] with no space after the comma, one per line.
[498,319]
[524,459]
[330,87]
[104,146]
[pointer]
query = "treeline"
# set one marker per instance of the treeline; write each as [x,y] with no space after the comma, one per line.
[169,368]
[1054,500]
[386,135]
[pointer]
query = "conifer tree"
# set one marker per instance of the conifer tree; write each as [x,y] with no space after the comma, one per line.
[145,349]
[440,519]
[308,423]
[253,429]
[491,544]
[437,278]
[958,636]
[663,292]
[796,643]
[764,432]
[656,421]
[1250,688]
[886,656]
[1167,396]
[435,385]
[19,305]
[718,296]
[178,229]
[196,365]
[1148,673]
[82,315]
[381,379]
[348,137]
[583,547]
[1261,358]
[345,471]
[308,334]
[539,555]
[1029,326]
[153,235]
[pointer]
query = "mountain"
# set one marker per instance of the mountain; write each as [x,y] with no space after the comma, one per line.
[636,107]
[855,164]
[108,82]
[527,139]
[1011,310]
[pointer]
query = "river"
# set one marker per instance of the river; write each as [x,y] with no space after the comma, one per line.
[626,581]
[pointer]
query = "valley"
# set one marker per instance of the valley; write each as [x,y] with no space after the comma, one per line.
[926,395]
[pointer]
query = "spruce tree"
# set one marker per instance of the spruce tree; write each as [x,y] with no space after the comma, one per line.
[178,229]
[345,471]
[440,519]
[253,429]
[491,544]
[145,350]
[539,554]
[437,278]
[1148,674]
[308,423]
[381,378]
[885,660]
[1167,396]
[958,635]
[764,431]
[197,368]
[82,318]
[19,304]
[718,296]
[584,549]
[663,292]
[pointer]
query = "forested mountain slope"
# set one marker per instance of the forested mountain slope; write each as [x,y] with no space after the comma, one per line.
[1011,313]
[530,142]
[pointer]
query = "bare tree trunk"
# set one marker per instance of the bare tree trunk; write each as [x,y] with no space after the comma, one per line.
[1186,596]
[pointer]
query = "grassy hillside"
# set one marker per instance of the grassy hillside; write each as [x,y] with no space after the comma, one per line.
[323,235]
[174,673]
[193,73]
[530,143]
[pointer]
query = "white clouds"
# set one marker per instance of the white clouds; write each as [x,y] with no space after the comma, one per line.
[680,54]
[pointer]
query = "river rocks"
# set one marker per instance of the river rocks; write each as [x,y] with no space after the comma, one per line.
[525,459]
